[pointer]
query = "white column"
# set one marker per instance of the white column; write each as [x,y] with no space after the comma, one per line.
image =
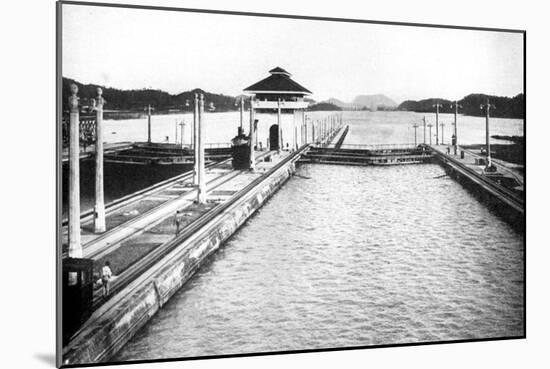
[99,211]
[201,198]
[75,248]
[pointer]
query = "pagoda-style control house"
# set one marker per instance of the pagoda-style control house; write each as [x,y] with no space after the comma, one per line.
[273,98]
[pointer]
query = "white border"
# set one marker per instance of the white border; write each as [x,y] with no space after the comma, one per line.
[28,183]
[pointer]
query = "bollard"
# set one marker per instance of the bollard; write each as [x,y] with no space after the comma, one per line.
[99,218]
[75,248]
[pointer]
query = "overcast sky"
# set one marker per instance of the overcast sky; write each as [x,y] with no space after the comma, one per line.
[178,51]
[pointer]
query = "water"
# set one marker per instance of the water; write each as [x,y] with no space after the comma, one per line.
[371,127]
[365,128]
[353,256]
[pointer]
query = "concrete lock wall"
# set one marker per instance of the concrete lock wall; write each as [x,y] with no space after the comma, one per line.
[111,330]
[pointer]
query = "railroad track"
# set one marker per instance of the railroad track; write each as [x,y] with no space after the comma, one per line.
[86,217]
[143,264]
[141,223]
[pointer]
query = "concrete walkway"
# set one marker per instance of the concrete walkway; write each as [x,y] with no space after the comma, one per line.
[471,160]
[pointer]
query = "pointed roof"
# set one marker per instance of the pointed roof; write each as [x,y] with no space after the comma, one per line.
[279,70]
[278,82]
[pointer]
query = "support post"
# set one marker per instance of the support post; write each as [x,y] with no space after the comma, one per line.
[488,107]
[415,126]
[99,211]
[437,106]
[424,123]
[201,195]
[241,109]
[430,126]
[195,140]
[75,248]
[252,163]
[182,133]
[456,106]
[442,133]
[149,123]
[305,127]
[279,125]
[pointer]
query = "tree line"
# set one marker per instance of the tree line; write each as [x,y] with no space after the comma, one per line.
[505,107]
[137,100]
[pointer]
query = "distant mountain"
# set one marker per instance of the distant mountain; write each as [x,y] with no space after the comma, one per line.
[373,102]
[338,103]
[505,107]
[324,106]
[365,102]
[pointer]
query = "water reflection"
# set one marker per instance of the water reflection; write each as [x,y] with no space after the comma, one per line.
[353,256]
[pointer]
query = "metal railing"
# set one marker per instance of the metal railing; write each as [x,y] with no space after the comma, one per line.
[378,146]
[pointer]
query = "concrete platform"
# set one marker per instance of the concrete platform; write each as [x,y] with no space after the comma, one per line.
[144,286]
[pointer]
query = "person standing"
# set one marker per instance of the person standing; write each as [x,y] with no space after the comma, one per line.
[106,275]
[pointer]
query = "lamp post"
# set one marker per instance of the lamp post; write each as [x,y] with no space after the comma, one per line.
[437,106]
[201,196]
[456,105]
[415,126]
[182,133]
[252,163]
[424,124]
[487,106]
[149,108]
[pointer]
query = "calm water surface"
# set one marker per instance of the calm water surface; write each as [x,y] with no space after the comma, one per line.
[349,256]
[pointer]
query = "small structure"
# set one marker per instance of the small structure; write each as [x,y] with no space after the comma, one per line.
[279,94]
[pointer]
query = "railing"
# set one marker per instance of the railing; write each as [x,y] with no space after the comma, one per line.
[378,146]
[217,145]
[87,131]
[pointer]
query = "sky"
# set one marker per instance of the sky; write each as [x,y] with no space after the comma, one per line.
[179,51]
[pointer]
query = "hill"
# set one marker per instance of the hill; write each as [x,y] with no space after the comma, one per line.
[137,100]
[324,106]
[365,102]
[505,107]
[373,102]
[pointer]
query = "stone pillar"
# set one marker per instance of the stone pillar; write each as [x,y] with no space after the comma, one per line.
[99,211]
[201,196]
[75,248]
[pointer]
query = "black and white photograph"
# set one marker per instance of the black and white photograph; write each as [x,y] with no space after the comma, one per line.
[274,184]
[233,183]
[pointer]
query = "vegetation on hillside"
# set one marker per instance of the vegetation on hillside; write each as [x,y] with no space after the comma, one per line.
[505,107]
[137,100]
[323,106]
